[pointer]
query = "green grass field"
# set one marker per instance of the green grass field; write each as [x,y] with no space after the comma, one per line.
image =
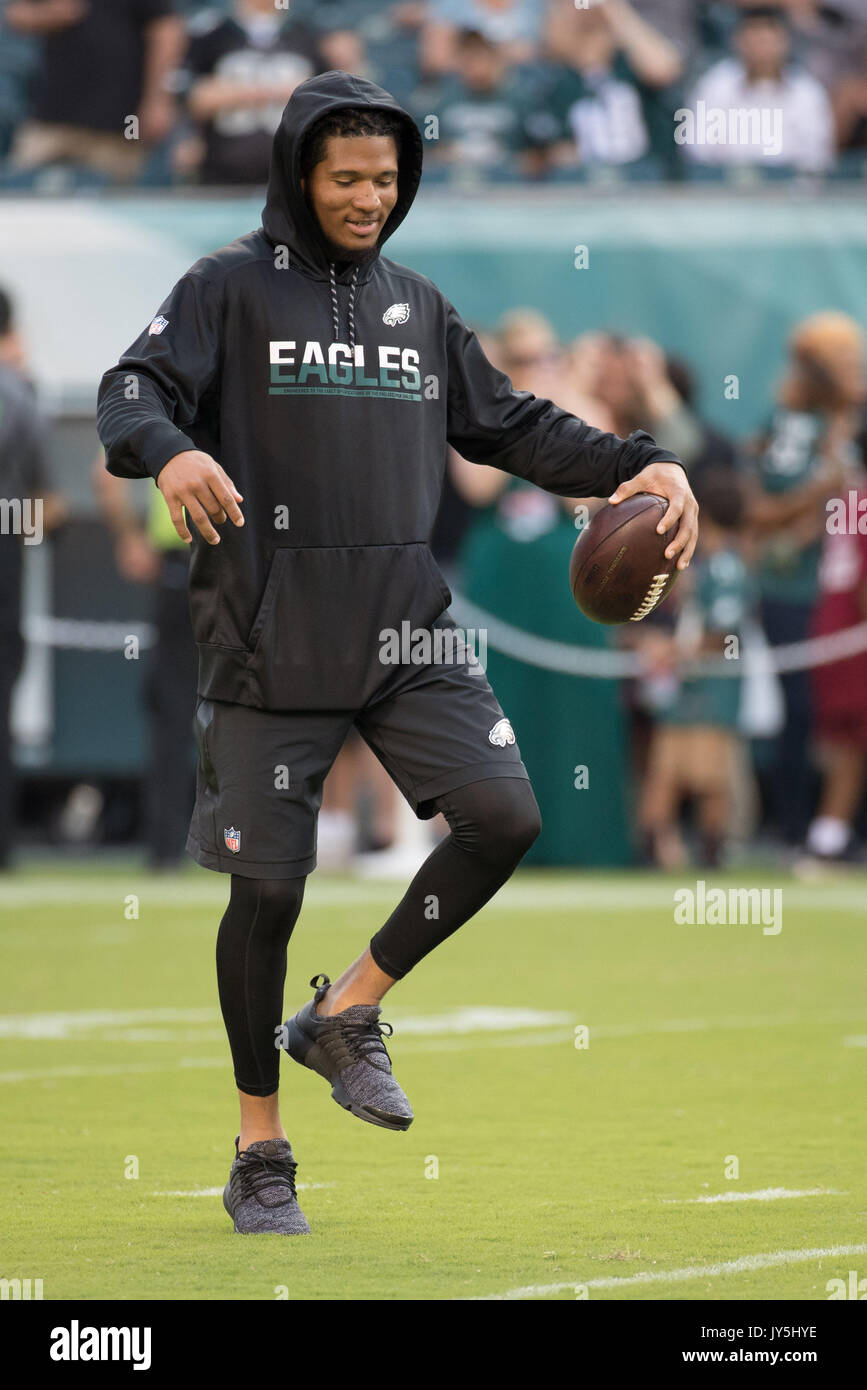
[562,1171]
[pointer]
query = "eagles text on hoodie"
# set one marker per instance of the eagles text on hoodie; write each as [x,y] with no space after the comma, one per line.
[328,394]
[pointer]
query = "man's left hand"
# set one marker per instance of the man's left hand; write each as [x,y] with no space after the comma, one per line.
[668,480]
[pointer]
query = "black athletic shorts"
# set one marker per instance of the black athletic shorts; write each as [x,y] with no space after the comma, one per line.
[260,773]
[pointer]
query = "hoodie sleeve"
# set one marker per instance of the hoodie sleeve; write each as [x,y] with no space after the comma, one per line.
[490,422]
[146,401]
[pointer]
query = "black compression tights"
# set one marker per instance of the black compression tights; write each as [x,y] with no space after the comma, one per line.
[251,969]
[492,824]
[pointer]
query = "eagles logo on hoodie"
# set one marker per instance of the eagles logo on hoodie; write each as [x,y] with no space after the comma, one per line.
[328,392]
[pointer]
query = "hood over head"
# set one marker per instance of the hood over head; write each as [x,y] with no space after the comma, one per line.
[286,218]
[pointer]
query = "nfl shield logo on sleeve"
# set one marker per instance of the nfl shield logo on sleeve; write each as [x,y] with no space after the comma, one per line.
[233,839]
[158,324]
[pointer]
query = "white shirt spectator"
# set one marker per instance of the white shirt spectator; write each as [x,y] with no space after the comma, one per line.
[792,122]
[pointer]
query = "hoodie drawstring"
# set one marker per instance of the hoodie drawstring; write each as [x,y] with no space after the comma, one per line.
[335,313]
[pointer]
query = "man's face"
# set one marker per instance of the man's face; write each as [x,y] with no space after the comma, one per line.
[763,44]
[352,192]
[481,66]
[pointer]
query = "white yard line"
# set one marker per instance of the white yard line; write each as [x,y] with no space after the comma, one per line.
[480,1019]
[454,1030]
[517,895]
[766,1194]
[67,1024]
[744,1265]
[49,1027]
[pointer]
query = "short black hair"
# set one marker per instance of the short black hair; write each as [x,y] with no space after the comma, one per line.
[474,38]
[767,14]
[6,314]
[347,121]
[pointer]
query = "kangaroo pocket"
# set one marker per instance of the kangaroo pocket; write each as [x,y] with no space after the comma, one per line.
[320,638]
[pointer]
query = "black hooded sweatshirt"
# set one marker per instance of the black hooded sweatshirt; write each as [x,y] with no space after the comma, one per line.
[328,394]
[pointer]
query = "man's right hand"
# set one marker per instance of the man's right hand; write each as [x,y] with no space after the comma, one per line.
[196,481]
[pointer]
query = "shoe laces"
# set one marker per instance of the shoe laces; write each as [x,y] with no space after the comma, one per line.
[363,1039]
[256,1172]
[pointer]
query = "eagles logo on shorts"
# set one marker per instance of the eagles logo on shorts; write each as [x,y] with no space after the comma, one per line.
[502,733]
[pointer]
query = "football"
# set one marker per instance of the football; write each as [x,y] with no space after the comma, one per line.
[618,571]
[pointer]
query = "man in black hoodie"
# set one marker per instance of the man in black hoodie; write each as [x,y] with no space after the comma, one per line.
[299,372]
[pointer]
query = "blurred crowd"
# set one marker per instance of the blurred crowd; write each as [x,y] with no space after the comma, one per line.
[161,92]
[157,93]
[711,759]
[782,558]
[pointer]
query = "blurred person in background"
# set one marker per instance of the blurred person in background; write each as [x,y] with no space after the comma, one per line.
[850,85]
[607,65]
[359,807]
[239,71]
[631,377]
[481,107]
[850,113]
[830,36]
[525,347]
[513,25]
[761,75]
[517,547]
[152,553]
[711,448]
[677,20]
[803,459]
[695,745]
[337,27]
[28,509]
[101,62]
[840,688]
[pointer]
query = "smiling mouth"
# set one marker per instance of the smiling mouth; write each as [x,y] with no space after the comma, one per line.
[361,228]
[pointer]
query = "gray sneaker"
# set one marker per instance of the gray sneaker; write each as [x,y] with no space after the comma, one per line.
[260,1194]
[347,1049]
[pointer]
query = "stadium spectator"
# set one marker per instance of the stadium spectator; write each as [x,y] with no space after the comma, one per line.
[803,459]
[840,688]
[102,62]
[29,510]
[482,107]
[714,449]
[694,747]
[678,20]
[338,27]
[850,112]
[359,807]
[516,549]
[831,37]
[631,377]
[757,107]
[514,25]
[154,554]
[609,64]
[525,347]
[239,71]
